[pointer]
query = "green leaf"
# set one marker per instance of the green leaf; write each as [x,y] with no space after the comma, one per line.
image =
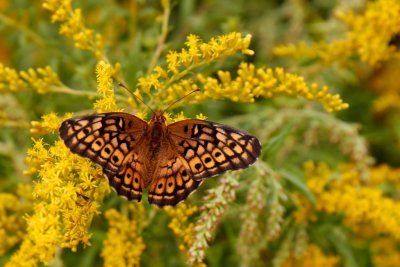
[299,184]
[271,147]
[342,245]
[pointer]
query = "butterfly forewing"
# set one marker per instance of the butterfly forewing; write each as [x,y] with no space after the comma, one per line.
[210,148]
[110,140]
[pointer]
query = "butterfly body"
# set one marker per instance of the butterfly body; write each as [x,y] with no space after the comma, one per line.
[170,160]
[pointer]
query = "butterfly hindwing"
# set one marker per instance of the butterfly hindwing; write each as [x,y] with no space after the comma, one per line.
[128,180]
[172,182]
[106,138]
[210,148]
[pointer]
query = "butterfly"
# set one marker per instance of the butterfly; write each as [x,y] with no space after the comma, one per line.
[170,160]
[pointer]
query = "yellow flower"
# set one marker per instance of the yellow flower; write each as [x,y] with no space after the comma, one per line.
[49,124]
[265,82]
[387,101]
[9,79]
[124,244]
[13,208]
[172,82]
[251,82]
[68,194]
[313,256]
[180,225]
[73,26]
[384,174]
[369,37]
[343,193]
[201,116]
[385,83]
[107,103]
[40,79]
[385,253]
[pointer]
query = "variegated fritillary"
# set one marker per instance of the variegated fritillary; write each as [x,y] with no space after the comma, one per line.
[171,161]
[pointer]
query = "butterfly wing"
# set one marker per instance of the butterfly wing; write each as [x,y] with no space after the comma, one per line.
[210,148]
[172,182]
[110,140]
[128,180]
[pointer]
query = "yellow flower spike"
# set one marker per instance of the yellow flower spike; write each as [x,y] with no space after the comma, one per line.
[160,72]
[180,226]
[173,62]
[124,244]
[172,82]
[40,79]
[252,82]
[13,209]
[73,27]
[63,208]
[185,58]
[9,79]
[107,103]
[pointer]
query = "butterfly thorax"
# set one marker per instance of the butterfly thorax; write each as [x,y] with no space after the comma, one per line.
[157,128]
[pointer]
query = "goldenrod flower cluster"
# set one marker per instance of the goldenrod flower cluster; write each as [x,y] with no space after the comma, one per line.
[313,256]
[40,79]
[385,174]
[172,82]
[67,196]
[385,252]
[385,83]
[124,243]
[181,226]
[49,124]
[105,72]
[13,208]
[368,37]
[252,82]
[345,194]
[73,26]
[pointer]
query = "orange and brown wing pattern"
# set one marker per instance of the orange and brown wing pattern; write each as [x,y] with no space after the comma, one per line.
[172,182]
[109,139]
[128,180]
[210,148]
[106,138]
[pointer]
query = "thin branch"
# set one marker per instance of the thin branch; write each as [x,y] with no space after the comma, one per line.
[161,41]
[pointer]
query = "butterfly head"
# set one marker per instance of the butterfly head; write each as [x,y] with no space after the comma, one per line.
[158,117]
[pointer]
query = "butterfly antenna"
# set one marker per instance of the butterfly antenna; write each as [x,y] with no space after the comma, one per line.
[135,96]
[188,94]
